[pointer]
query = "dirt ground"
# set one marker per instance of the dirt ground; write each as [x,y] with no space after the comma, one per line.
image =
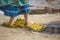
[24,34]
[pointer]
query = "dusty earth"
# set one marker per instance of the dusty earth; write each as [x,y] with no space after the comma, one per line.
[24,34]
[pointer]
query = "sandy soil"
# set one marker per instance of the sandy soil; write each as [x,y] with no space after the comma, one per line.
[24,34]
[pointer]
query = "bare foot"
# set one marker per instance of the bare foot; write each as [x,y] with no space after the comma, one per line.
[29,22]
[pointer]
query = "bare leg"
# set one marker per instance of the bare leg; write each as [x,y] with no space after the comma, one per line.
[11,21]
[28,22]
[26,19]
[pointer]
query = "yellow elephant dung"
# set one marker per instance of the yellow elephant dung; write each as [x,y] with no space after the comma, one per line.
[19,23]
[37,27]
